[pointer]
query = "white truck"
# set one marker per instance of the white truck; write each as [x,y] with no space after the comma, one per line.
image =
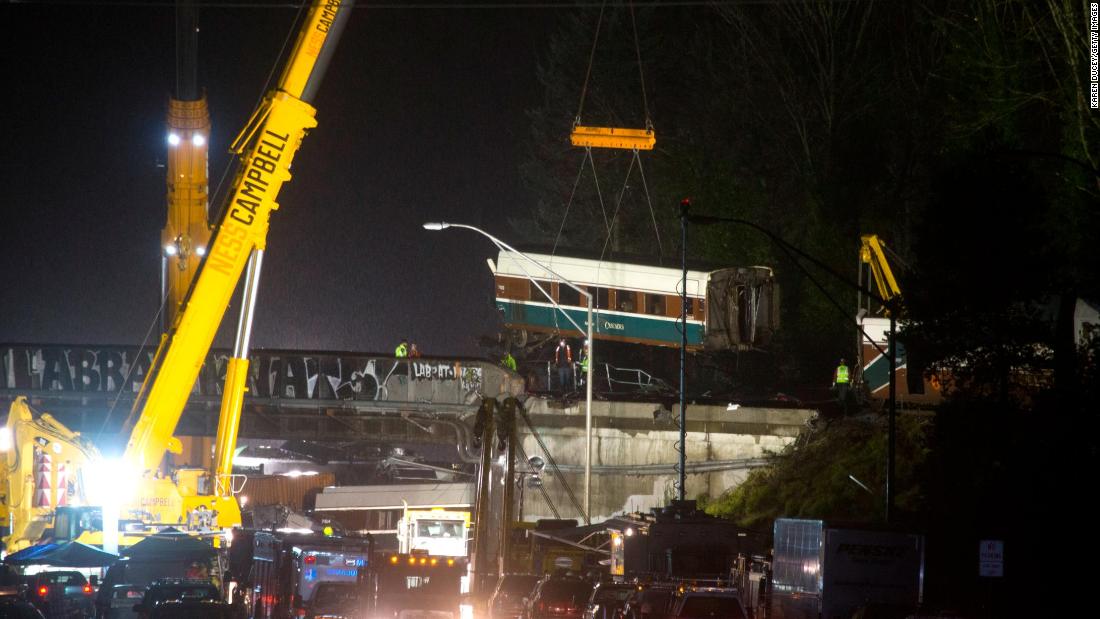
[438,532]
[827,572]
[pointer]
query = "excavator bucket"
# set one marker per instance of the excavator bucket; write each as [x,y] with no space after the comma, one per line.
[613,137]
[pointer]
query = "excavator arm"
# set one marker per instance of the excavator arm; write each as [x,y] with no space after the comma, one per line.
[43,465]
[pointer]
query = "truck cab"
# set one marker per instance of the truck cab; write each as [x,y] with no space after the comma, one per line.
[438,532]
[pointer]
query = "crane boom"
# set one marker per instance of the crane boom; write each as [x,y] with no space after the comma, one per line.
[134,488]
[186,230]
[872,253]
[267,146]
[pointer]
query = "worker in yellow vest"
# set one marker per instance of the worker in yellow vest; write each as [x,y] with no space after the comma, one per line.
[402,349]
[840,384]
[584,363]
[508,361]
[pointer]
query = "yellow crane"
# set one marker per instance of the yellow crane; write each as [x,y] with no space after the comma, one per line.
[872,252]
[873,369]
[183,498]
[186,231]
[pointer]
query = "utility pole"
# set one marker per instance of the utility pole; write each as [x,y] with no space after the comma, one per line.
[891,344]
[482,526]
[682,464]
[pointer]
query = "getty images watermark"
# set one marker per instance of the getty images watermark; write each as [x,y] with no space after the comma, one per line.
[1094,55]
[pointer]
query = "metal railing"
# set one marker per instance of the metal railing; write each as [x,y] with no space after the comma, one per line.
[617,379]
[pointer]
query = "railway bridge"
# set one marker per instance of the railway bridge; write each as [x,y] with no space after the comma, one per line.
[429,402]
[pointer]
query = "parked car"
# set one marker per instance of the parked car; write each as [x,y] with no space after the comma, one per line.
[191,609]
[558,597]
[12,584]
[178,598]
[337,600]
[881,610]
[61,594]
[709,603]
[650,601]
[14,607]
[506,601]
[117,601]
[607,599]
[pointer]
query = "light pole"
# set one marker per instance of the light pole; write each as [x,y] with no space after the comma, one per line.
[681,479]
[501,245]
[891,353]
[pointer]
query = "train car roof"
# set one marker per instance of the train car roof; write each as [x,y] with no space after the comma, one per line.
[646,260]
[630,275]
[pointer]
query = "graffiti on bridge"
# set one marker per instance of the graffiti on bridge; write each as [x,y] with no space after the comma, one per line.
[272,374]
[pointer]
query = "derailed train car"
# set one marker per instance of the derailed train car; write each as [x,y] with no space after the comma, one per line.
[728,309]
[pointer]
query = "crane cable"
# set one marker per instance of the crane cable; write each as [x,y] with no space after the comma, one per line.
[588,149]
[641,73]
[591,57]
[271,77]
[133,366]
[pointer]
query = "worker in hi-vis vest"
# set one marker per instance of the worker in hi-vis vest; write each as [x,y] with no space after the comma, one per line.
[584,363]
[840,383]
[563,359]
[402,349]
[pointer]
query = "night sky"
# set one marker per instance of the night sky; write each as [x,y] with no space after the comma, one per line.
[422,117]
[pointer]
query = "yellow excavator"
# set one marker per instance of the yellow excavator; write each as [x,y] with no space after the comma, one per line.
[54,482]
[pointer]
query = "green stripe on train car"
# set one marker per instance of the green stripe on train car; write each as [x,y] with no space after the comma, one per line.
[877,373]
[638,327]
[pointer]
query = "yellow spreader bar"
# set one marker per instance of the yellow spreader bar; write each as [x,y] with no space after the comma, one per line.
[613,137]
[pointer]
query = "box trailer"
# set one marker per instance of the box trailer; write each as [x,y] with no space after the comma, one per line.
[828,572]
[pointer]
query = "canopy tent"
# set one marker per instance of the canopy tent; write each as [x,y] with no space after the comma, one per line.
[69,554]
[170,543]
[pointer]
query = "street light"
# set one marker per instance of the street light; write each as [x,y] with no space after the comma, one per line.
[891,353]
[501,245]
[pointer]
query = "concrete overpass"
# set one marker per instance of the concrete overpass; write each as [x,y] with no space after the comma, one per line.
[332,396]
[314,395]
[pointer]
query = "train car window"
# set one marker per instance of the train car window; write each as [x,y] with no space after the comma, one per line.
[655,304]
[537,295]
[601,297]
[697,309]
[568,296]
[513,288]
[624,301]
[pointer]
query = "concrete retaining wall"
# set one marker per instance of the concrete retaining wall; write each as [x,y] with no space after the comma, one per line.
[634,453]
